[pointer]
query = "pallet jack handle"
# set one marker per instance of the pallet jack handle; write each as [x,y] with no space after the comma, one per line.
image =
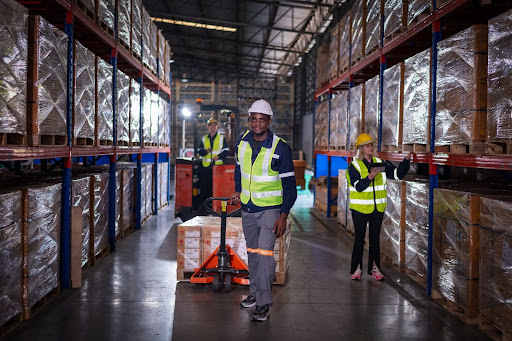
[227,201]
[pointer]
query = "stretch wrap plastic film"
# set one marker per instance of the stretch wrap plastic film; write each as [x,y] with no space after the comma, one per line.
[416,227]
[496,262]
[392,16]
[390,236]
[356,112]
[106,12]
[391,106]
[344,216]
[119,188]
[81,197]
[105,72]
[89,4]
[143,192]
[134,111]
[417,7]
[43,241]
[321,121]
[148,191]
[11,259]
[124,21]
[358,21]
[371,108]
[345,36]
[322,66]
[162,184]
[167,119]
[373,28]
[167,65]
[85,70]
[13,67]
[457,112]
[416,111]
[333,137]
[123,106]
[499,80]
[334,47]
[339,107]
[161,56]
[146,37]
[162,120]
[146,116]
[100,198]
[153,53]
[155,117]
[128,202]
[52,79]
[136,27]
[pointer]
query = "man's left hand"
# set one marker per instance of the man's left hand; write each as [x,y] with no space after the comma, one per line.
[280,225]
[215,158]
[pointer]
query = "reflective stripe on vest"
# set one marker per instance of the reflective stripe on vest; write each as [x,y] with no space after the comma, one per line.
[260,183]
[374,195]
[216,149]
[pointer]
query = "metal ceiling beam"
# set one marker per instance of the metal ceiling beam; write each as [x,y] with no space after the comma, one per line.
[223,22]
[295,4]
[271,19]
[216,63]
[214,68]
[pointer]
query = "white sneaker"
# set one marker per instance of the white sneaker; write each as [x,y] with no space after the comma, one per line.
[377,274]
[357,274]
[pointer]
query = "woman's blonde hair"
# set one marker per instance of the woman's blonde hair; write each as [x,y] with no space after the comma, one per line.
[359,153]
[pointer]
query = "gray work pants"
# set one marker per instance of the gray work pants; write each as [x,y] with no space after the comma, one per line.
[260,237]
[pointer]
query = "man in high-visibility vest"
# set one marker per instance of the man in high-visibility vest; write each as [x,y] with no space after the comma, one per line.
[367,178]
[265,185]
[213,149]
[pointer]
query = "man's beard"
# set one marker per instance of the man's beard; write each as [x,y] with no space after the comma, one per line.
[260,134]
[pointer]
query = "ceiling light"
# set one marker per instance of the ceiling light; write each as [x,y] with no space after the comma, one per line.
[186,112]
[194,24]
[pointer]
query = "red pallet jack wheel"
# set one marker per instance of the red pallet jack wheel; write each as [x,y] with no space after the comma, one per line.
[223,266]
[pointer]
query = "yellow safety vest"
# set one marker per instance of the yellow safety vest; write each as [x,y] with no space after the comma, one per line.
[216,149]
[374,194]
[260,183]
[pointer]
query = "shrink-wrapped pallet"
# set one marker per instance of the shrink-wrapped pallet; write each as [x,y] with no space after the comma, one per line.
[167,63]
[321,122]
[164,181]
[104,73]
[344,215]
[134,112]
[322,66]
[499,80]
[461,88]
[373,28]
[84,103]
[345,36]
[416,110]
[161,56]
[142,192]
[146,116]
[136,28]
[124,21]
[128,198]
[163,122]
[358,37]
[391,106]
[416,8]
[333,137]
[99,212]
[155,117]
[43,254]
[119,207]
[147,198]
[495,263]
[334,47]
[392,232]
[355,113]
[166,122]
[339,108]
[11,251]
[393,14]
[106,12]
[13,67]
[146,37]
[81,197]
[153,48]
[123,107]
[371,108]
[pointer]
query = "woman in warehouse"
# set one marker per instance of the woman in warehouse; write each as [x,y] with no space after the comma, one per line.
[367,176]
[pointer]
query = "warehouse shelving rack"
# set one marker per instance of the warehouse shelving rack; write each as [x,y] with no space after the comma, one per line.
[455,15]
[75,23]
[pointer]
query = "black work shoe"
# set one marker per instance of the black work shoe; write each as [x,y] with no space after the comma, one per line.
[261,313]
[249,302]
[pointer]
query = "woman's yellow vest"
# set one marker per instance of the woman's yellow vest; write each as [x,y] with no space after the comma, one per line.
[374,195]
[260,183]
[218,142]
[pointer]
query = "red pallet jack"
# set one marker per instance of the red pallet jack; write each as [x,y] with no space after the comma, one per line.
[223,266]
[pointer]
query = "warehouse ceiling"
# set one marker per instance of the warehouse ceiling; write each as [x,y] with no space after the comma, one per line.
[224,40]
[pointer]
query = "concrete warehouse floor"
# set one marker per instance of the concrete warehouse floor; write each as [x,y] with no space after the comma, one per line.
[132,294]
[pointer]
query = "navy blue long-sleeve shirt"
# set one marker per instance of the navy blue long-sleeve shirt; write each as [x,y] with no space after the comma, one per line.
[225,148]
[392,172]
[282,162]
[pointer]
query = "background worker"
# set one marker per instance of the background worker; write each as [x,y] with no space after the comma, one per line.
[213,149]
[368,199]
[265,185]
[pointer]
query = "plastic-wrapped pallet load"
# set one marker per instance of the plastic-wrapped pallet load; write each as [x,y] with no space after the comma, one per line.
[355,114]
[167,63]
[136,27]
[322,67]
[334,133]
[166,122]
[146,116]
[156,117]
[100,212]
[358,31]
[143,214]
[334,47]
[119,207]
[342,112]
[461,106]
[416,111]
[13,68]
[189,246]
[106,12]
[345,36]
[344,216]
[81,197]
[499,80]
[153,54]
[134,112]
[149,190]
[85,110]
[392,106]
[11,251]
[124,21]
[373,28]
[146,37]
[393,15]
[371,108]
[161,56]
[43,254]
[416,8]
[164,182]
[104,73]
[495,263]
[123,107]
[393,224]
[321,121]
[89,4]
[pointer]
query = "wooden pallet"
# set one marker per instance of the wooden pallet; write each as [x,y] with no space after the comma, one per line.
[9,139]
[394,35]
[106,28]
[370,51]
[391,261]
[124,44]
[414,147]
[492,330]
[30,312]
[343,70]
[134,144]
[391,149]
[10,325]
[184,275]
[468,317]
[150,144]
[106,142]
[281,277]
[416,277]
[82,141]
[422,16]
[52,140]
[456,148]
[81,6]
[123,143]
[498,147]
[102,254]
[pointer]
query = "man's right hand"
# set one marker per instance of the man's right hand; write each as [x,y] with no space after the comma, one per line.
[235,198]
[209,150]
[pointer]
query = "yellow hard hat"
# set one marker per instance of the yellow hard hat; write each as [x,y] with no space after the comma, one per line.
[363,139]
[211,120]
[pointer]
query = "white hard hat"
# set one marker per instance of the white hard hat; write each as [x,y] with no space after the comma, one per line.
[261,107]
